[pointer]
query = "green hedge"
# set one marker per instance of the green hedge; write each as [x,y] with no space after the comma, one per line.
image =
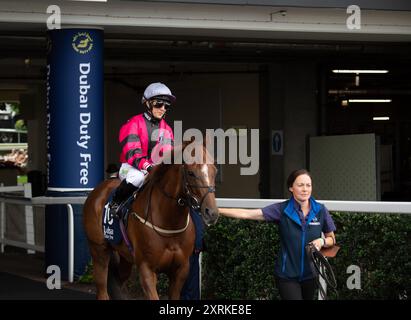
[239,259]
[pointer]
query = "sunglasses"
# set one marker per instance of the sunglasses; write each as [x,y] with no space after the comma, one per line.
[156,103]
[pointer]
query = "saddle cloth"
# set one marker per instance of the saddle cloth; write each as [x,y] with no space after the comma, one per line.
[113,231]
[111,223]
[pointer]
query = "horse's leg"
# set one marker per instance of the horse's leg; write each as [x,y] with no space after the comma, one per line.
[177,280]
[101,258]
[148,281]
[119,270]
[113,285]
[124,270]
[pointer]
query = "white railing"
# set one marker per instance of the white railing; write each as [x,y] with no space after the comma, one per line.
[8,141]
[18,132]
[345,206]
[39,202]
[29,221]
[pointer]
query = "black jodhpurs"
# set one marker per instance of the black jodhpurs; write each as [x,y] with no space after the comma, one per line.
[294,290]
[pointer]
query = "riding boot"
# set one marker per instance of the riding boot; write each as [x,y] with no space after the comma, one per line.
[122,193]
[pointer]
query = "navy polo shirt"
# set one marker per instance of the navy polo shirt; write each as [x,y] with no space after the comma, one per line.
[296,231]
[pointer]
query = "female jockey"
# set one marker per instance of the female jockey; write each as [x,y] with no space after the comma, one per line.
[143,138]
[139,137]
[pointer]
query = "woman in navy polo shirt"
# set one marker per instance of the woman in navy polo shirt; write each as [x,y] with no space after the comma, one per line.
[301,220]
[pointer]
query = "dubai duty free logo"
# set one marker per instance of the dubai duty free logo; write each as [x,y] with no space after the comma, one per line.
[82,42]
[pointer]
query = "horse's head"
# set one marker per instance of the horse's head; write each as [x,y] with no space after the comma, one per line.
[199,185]
[196,187]
[199,173]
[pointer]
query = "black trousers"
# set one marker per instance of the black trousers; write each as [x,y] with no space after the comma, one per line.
[123,192]
[294,290]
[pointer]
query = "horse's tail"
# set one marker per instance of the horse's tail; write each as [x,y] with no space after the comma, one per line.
[114,283]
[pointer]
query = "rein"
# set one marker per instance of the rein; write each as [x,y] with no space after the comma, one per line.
[324,269]
[192,200]
[186,200]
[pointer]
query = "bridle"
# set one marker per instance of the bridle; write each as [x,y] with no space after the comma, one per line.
[191,199]
[188,199]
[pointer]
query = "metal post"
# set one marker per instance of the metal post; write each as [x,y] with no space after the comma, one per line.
[3,225]
[3,222]
[70,243]
[200,278]
[323,285]
[28,212]
[321,281]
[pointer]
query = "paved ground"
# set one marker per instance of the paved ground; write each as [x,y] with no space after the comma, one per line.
[22,278]
[19,288]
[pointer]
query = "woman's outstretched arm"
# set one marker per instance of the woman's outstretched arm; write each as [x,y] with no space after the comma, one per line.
[251,214]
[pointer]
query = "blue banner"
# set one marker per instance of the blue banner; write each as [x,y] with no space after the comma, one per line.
[75,123]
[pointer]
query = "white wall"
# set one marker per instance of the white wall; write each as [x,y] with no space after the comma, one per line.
[344,167]
[267,22]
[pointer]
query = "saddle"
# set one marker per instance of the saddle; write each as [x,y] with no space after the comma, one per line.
[114,225]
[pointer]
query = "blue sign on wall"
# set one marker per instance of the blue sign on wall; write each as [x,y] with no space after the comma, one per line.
[277,144]
[75,124]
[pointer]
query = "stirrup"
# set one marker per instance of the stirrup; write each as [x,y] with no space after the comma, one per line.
[113,209]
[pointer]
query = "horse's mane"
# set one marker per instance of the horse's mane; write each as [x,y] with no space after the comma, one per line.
[161,169]
[157,174]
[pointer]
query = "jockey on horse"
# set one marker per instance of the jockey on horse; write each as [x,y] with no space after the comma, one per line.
[142,138]
[138,137]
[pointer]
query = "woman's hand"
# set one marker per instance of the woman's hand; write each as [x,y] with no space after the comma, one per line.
[318,243]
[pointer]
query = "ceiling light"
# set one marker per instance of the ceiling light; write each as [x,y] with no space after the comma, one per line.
[380,118]
[369,100]
[91,0]
[360,71]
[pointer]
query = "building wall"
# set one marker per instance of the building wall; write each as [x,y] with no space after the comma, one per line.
[212,101]
[293,110]
[301,115]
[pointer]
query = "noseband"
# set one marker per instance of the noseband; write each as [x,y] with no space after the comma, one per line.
[188,199]
[191,199]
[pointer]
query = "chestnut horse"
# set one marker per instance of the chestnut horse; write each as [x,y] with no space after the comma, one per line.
[159,228]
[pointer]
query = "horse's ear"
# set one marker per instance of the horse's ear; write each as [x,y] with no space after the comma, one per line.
[208,140]
[184,145]
[171,156]
[208,148]
[209,144]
